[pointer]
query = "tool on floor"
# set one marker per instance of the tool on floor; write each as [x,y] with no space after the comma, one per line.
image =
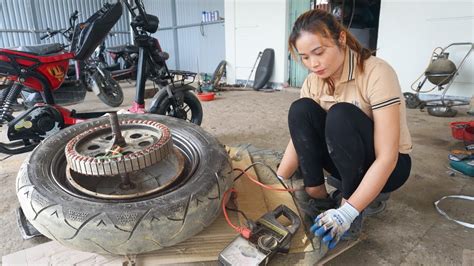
[459,155]
[465,166]
[253,68]
[463,160]
[267,237]
[441,72]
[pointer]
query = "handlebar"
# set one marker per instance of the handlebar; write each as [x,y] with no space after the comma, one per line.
[50,34]
[138,5]
[141,10]
[72,18]
[142,23]
[65,32]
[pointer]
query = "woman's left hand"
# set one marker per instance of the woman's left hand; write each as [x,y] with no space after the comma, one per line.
[333,223]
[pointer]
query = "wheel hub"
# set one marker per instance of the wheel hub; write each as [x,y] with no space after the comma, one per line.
[141,183]
[129,159]
[181,113]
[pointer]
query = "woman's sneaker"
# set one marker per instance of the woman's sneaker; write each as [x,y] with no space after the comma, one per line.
[378,205]
[310,207]
[336,195]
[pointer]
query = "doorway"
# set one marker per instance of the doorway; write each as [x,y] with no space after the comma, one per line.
[360,16]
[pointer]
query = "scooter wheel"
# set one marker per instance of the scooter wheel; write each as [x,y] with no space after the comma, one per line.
[191,109]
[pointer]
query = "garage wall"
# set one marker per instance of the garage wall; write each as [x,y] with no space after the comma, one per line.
[192,45]
[410,30]
[22,22]
[252,26]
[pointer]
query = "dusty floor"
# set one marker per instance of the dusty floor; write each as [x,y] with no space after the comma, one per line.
[410,231]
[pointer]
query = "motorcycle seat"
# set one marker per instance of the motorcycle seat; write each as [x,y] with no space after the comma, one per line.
[123,48]
[41,49]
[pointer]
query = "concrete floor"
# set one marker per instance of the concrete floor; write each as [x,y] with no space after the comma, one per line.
[410,231]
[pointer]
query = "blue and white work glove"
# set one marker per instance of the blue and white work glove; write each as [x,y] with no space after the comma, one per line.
[333,223]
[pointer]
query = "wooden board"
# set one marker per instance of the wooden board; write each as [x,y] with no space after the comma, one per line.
[205,246]
[339,249]
[250,198]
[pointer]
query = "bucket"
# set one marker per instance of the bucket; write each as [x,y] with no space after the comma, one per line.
[206,96]
[458,128]
[468,137]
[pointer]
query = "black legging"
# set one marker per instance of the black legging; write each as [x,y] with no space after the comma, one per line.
[341,141]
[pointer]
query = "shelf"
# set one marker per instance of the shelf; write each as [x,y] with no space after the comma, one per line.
[221,21]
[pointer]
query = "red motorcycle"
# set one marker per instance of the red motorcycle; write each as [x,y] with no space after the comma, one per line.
[43,68]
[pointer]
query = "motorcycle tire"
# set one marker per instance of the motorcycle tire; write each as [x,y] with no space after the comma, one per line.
[124,226]
[110,91]
[218,74]
[161,105]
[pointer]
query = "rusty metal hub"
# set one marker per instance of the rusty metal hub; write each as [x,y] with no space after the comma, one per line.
[123,160]
[94,152]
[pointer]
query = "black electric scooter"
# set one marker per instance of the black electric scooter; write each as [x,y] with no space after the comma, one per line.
[175,97]
[124,61]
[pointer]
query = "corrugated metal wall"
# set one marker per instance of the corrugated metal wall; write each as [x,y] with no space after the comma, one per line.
[22,22]
[199,48]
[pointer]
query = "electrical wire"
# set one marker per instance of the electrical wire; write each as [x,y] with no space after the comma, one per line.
[238,211]
[352,15]
[273,172]
[268,167]
[224,200]
[245,231]
[255,180]
[241,174]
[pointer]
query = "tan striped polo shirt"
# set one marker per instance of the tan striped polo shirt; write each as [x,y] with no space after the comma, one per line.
[377,87]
